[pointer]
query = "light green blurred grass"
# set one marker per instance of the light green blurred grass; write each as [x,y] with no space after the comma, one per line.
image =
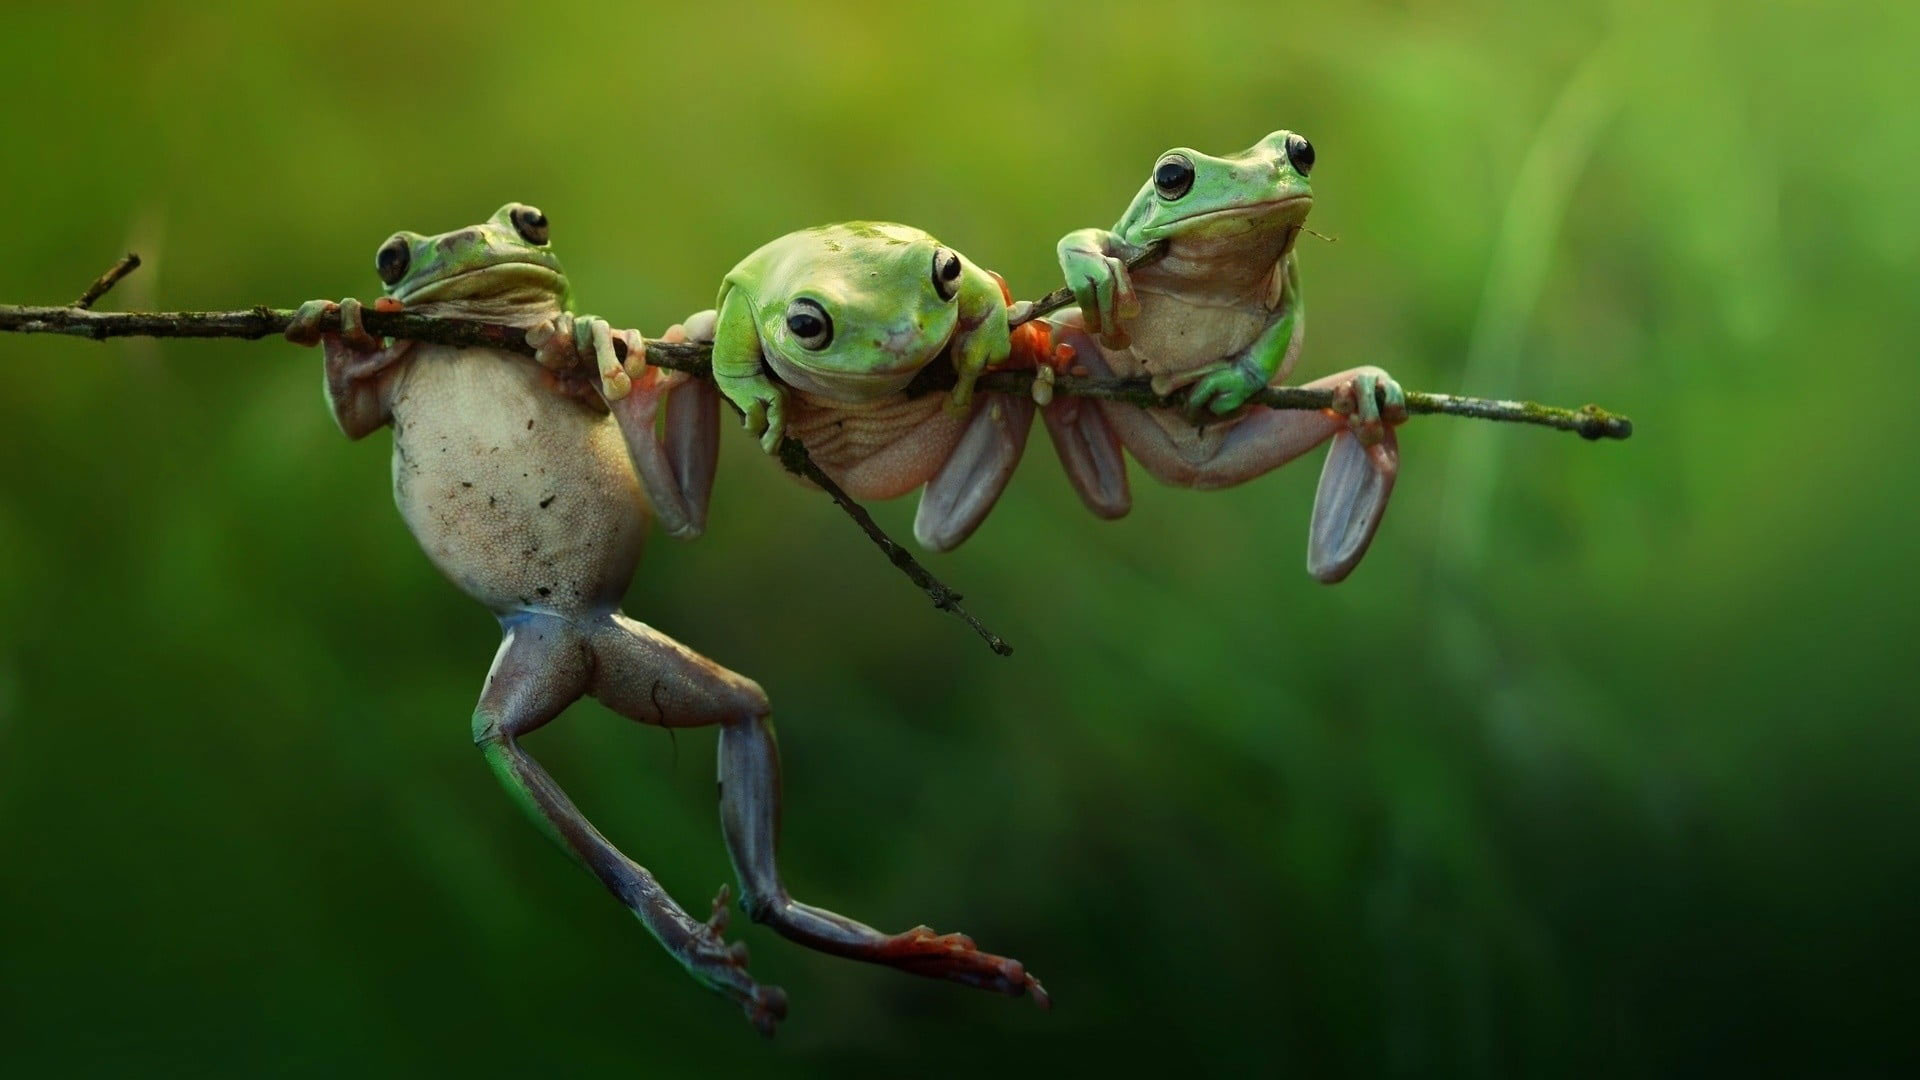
[1600,764]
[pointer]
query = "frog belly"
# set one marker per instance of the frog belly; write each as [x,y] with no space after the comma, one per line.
[524,499]
[876,450]
[1174,340]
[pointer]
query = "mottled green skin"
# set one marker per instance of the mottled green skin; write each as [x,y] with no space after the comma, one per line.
[482,271]
[875,281]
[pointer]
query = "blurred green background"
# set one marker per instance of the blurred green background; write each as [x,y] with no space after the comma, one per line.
[1601,764]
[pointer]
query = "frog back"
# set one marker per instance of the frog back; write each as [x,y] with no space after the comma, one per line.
[525,499]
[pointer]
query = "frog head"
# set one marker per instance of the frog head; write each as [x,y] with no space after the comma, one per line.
[1191,197]
[500,270]
[854,311]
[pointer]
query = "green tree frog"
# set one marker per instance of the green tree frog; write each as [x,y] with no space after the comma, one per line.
[524,484]
[845,317]
[1220,314]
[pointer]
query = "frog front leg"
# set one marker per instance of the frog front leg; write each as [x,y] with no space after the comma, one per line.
[676,459]
[357,364]
[1227,386]
[1094,262]
[561,343]
[981,338]
[739,369]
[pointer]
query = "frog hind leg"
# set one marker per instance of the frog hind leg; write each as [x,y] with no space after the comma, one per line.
[750,818]
[1354,484]
[1348,505]
[1083,440]
[647,676]
[958,497]
[546,663]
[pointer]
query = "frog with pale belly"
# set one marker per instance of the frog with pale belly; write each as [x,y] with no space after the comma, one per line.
[848,317]
[523,482]
[1219,315]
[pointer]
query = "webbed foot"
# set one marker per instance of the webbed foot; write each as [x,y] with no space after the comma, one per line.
[1221,392]
[1374,404]
[722,966]
[956,958]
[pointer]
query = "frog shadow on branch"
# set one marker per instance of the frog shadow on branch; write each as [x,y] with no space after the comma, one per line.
[528,485]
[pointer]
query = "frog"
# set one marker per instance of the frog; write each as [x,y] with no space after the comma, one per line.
[1219,314]
[530,485]
[830,333]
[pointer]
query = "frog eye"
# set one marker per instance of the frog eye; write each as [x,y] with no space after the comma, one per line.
[946,273]
[1173,176]
[809,324]
[392,259]
[530,223]
[1300,154]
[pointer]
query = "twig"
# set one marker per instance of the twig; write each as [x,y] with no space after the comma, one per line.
[262,322]
[1589,421]
[793,455]
[694,358]
[128,264]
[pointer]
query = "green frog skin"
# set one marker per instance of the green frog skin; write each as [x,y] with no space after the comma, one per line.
[528,485]
[846,316]
[1221,315]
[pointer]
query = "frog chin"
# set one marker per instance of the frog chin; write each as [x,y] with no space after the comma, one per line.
[853,387]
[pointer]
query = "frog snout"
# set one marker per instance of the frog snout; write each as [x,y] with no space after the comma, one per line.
[456,241]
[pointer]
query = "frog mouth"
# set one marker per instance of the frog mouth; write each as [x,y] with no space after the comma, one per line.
[488,279]
[1259,209]
[848,386]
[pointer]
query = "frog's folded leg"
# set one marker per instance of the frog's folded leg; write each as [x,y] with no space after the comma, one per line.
[548,661]
[958,497]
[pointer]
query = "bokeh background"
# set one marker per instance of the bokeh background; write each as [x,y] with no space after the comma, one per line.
[1601,764]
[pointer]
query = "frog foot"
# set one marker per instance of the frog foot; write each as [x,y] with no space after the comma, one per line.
[559,344]
[955,957]
[1220,392]
[723,967]
[762,407]
[353,354]
[1373,403]
[1095,265]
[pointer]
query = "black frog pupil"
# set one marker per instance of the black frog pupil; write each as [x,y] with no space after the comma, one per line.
[1173,177]
[531,224]
[1300,154]
[951,268]
[803,324]
[391,261]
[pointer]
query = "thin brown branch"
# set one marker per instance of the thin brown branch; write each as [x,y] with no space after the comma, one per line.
[1589,421]
[128,264]
[263,322]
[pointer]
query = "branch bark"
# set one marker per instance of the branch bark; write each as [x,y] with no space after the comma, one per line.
[1589,421]
[79,320]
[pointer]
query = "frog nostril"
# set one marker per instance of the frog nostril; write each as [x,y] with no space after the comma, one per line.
[455,241]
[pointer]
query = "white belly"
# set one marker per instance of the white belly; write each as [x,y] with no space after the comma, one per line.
[525,499]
